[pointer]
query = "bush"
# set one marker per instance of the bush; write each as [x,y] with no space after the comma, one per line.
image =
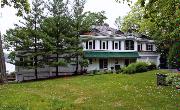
[173,79]
[141,67]
[137,67]
[152,66]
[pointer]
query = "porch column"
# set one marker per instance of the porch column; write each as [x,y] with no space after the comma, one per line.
[122,45]
[135,45]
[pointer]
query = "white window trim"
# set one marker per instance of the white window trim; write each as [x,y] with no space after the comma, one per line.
[141,46]
[102,45]
[89,45]
[115,46]
[148,48]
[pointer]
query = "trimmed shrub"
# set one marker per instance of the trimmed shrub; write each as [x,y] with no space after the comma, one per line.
[141,67]
[130,69]
[137,67]
[152,66]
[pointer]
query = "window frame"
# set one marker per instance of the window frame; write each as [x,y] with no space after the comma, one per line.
[149,47]
[116,45]
[129,45]
[103,44]
[91,45]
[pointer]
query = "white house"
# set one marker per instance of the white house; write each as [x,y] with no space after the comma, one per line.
[106,48]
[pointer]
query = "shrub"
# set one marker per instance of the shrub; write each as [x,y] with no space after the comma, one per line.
[173,79]
[130,69]
[135,68]
[141,67]
[152,66]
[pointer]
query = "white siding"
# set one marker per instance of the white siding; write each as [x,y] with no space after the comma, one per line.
[97,45]
[122,45]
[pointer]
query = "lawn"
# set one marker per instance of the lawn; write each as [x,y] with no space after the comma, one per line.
[98,92]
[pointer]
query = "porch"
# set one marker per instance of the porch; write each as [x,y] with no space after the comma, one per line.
[109,60]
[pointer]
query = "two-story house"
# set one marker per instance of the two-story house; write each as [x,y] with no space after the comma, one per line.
[108,48]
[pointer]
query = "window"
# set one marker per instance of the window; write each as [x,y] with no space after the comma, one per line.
[139,47]
[116,61]
[116,45]
[129,45]
[90,61]
[104,45]
[21,59]
[90,45]
[103,63]
[149,47]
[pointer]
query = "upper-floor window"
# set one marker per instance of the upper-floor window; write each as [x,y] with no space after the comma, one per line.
[103,45]
[129,45]
[116,45]
[149,47]
[139,47]
[90,44]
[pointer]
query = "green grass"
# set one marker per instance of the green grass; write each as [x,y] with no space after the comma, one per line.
[99,92]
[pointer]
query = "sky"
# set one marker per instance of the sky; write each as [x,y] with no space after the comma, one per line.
[112,11]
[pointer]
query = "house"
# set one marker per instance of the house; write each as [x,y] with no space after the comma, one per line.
[106,48]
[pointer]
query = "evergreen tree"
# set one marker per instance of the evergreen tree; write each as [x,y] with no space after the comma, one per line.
[58,29]
[83,21]
[27,39]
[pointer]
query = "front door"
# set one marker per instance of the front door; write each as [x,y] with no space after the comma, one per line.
[103,63]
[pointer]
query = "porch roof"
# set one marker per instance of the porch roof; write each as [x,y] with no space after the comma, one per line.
[106,54]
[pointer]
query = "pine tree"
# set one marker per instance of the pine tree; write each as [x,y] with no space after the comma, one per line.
[58,28]
[27,39]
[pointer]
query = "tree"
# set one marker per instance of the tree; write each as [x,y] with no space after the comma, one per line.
[83,22]
[155,18]
[58,28]
[20,5]
[27,40]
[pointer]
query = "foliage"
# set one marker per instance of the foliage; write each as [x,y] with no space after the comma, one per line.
[105,92]
[27,39]
[137,67]
[154,18]
[173,79]
[84,63]
[152,66]
[20,5]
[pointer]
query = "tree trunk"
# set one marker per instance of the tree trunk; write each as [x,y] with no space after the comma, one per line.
[35,58]
[3,75]
[57,59]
